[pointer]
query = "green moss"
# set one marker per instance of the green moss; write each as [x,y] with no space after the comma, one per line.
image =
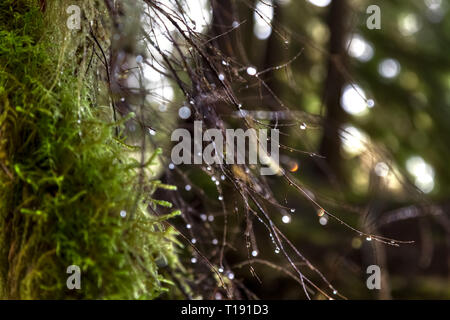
[64,179]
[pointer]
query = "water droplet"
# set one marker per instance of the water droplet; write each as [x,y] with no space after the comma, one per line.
[292,210]
[323,220]
[215,241]
[203,217]
[303,126]
[152,132]
[123,213]
[286,219]
[369,238]
[188,226]
[251,71]
[194,241]
[220,270]
[222,177]
[220,198]
[210,218]
[277,251]
[221,77]
[334,291]
[184,112]
[230,275]
[193,260]
[188,187]
[171,166]
[139,59]
[254,253]
[235,24]
[294,167]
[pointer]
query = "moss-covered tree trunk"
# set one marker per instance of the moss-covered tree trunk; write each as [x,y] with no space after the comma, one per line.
[67,183]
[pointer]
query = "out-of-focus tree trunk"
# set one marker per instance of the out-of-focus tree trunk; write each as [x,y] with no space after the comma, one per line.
[221,24]
[274,56]
[335,116]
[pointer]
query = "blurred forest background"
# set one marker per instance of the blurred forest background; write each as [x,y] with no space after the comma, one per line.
[374,103]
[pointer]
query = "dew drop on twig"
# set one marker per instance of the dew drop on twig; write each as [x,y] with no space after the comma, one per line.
[251,71]
[286,219]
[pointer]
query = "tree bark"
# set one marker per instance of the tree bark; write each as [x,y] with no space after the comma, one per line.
[335,116]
